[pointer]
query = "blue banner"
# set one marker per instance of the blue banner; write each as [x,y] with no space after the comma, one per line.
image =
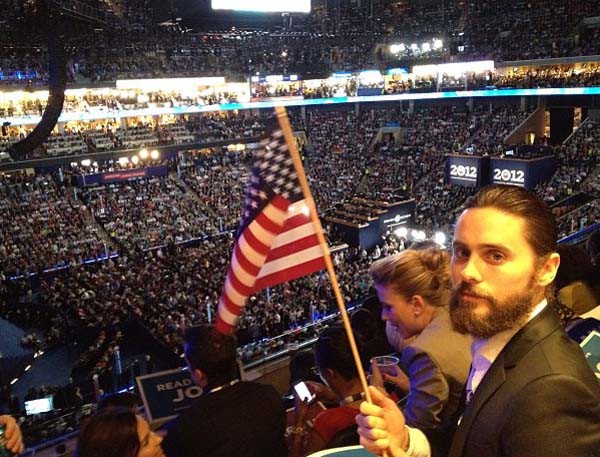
[165,394]
[467,170]
[120,175]
[369,91]
[521,172]
[399,213]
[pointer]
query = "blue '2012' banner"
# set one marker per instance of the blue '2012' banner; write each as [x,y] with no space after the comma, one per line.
[467,170]
[526,173]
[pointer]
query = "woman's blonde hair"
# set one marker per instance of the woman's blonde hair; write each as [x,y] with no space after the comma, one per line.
[416,272]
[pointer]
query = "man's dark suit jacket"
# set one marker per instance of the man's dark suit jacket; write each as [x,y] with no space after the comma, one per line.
[539,398]
[243,420]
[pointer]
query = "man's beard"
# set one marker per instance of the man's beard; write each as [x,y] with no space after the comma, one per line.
[509,313]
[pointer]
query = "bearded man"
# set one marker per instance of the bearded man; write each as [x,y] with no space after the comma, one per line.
[530,390]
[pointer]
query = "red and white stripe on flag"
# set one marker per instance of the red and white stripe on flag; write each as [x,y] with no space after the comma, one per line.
[279,245]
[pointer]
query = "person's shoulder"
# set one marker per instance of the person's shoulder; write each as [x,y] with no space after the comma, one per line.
[191,414]
[339,413]
[559,394]
[338,410]
[561,411]
[172,442]
[558,355]
[440,329]
[257,388]
[571,381]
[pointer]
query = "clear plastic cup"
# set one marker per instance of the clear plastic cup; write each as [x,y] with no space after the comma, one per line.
[388,364]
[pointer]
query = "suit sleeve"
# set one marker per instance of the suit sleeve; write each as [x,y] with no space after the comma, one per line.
[429,390]
[172,444]
[557,415]
[183,434]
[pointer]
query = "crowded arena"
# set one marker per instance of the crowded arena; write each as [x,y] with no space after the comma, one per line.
[299,228]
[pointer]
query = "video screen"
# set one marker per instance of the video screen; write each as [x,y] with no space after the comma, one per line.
[42,405]
[265,6]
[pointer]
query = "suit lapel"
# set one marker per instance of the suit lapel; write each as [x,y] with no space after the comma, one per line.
[524,340]
[531,334]
[491,382]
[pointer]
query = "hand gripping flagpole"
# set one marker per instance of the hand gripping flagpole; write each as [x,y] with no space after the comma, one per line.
[284,123]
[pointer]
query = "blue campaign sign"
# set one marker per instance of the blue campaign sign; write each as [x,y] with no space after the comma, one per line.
[466,170]
[165,394]
[397,214]
[120,175]
[509,171]
[591,349]
[521,172]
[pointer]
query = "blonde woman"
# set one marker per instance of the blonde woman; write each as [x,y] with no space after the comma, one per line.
[414,289]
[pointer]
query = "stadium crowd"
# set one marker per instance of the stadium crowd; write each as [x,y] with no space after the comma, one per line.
[158,248]
[93,137]
[325,41]
[219,181]
[169,290]
[551,76]
[205,199]
[342,144]
[44,225]
[495,127]
[147,213]
[576,159]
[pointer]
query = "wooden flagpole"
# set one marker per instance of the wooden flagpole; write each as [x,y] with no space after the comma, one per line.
[284,123]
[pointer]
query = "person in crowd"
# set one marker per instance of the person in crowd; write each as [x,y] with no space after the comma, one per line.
[117,432]
[302,368]
[338,371]
[530,390]
[370,329]
[394,338]
[414,289]
[231,417]
[12,439]
[119,400]
[573,280]
[592,246]
[61,450]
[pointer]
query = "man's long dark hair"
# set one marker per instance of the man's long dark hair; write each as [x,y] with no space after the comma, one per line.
[541,231]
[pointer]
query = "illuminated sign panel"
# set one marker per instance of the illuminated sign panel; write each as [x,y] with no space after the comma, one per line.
[267,6]
[116,114]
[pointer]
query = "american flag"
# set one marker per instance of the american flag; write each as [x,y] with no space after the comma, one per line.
[276,241]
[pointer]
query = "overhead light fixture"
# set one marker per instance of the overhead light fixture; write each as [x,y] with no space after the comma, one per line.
[440,238]
[401,232]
